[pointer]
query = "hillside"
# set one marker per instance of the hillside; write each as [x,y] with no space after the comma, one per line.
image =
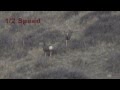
[92,53]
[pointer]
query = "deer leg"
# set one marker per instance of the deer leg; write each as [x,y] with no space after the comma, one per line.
[50,53]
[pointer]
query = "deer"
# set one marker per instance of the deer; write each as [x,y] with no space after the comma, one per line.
[48,49]
[68,36]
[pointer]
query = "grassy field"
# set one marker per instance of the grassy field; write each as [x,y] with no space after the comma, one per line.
[92,53]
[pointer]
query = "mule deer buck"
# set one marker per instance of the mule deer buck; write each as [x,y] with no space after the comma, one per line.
[68,35]
[48,49]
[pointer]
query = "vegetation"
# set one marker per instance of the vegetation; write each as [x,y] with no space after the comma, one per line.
[93,51]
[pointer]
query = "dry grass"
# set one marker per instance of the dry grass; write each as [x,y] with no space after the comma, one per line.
[93,51]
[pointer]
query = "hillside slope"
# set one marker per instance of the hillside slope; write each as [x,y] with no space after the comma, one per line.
[93,51]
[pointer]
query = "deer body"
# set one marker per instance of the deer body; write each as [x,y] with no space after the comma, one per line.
[68,37]
[48,49]
[45,49]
